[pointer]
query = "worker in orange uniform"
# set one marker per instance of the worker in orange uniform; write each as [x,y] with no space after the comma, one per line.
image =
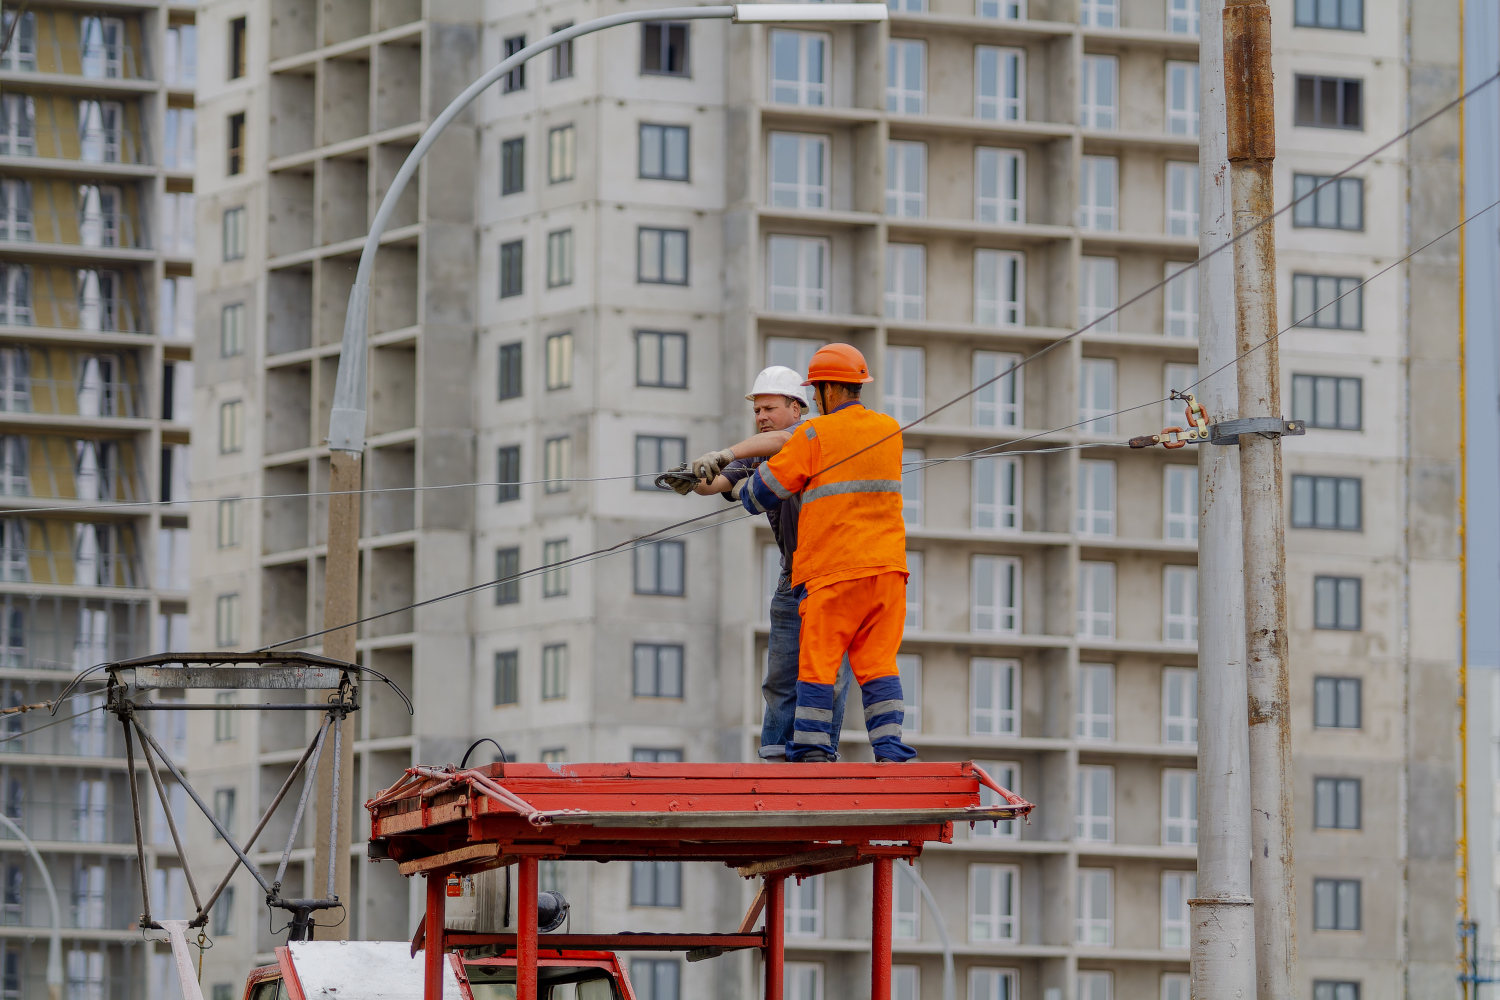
[850,570]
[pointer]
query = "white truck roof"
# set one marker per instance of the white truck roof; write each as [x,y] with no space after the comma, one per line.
[364,970]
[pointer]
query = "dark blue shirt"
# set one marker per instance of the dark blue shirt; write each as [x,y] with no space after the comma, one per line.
[783,517]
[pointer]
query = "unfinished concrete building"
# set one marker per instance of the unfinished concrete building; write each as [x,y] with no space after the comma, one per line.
[96,378]
[597,259]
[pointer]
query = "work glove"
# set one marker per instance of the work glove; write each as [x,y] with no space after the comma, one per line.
[708,466]
[679,480]
[738,490]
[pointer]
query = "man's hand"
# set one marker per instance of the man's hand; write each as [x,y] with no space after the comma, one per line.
[707,467]
[678,480]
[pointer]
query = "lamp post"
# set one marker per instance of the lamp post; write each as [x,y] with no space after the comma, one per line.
[54,943]
[346,423]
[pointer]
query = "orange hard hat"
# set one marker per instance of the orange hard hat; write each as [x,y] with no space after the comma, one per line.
[838,363]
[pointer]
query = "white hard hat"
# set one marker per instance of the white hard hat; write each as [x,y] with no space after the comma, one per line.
[778,380]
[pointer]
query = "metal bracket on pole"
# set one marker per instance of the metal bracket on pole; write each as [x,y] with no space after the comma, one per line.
[1227,432]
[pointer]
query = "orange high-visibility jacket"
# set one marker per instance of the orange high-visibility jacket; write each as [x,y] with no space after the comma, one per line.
[851,524]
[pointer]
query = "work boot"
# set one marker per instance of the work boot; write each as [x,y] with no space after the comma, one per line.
[815,757]
[894,760]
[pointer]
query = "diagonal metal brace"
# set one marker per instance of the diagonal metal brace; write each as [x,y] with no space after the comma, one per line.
[1227,432]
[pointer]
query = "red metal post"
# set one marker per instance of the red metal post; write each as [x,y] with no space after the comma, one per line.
[775,935]
[526,930]
[437,902]
[880,931]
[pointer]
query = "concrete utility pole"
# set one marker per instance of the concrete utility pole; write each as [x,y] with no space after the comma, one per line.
[1251,135]
[1223,940]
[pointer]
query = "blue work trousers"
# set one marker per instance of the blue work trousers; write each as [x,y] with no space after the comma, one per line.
[780,686]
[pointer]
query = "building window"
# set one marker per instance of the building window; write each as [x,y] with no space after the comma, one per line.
[661,359]
[799,67]
[513,165]
[999,288]
[1322,202]
[1006,774]
[557,464]
[994,697]
[1179,706]
[803,981]
[656,978]
[904,382]
[994,903]
[1181,306]
[662,256]
[1326,502]
[553,755]
[1182,98]
[1094,712]
[512,265]
[1099,193]
[231,427]
[16,211]
[659,568]
[555,671]
[656,755]
[1176,889]
[235,132]
[1344,15]
[906,76]
[224,810]
[1336,804]
[999,185]
[234,234]
[561,144]
[1182,19]
[1326,302]
[1324,989]
[909,665]
[1329,102]
[659,883]
[1336,702]
[657,670]
[1179,601]
[1336,603]
[560,258]
[223,913]
[1100,105]
[798,173]
[906,925]
[999,83]
[1095,822]
[508,473]
[227,620]
[905,281]
[1094,917]
[232,330]
[516,78]
[913,590]
[1336,904]
[993,984]
[1182,198]
[1096,499]
[507,568]
[555,577]
[664,49]
[1327,401]
[228,534]
[997,403]
[912,485]
[559,360]
[1179,985]
[654,455]
[803,908]
[1096,600]
[1099,13]
[664,152]
[1179,807]
[562,55]
[1098,294]
[906,179]
[226,721]
[510,371]
[996,504]
[797,273]
[995,594]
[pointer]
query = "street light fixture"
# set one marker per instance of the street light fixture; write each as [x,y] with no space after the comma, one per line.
[54,942]
[346,422]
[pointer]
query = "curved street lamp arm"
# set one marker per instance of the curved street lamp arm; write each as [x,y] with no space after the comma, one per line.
[942,928]
[54,945]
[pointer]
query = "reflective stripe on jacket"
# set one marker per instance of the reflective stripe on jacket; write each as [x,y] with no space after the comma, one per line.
[850,525]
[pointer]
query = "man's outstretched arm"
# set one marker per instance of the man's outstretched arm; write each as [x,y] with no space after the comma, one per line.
[706,468]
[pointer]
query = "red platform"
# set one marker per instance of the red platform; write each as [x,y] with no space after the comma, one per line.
[767,820]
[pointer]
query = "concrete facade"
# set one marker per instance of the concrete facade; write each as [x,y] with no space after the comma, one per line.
[96,254]
[655,231]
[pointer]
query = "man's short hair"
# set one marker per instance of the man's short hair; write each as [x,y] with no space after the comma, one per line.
[852,388]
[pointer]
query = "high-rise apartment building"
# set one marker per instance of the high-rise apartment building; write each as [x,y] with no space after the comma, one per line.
[96,380]
[582,283]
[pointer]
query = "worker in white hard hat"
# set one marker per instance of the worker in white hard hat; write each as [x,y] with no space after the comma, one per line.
[780,402]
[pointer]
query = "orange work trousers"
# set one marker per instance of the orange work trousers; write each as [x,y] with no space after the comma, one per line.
[864,617]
